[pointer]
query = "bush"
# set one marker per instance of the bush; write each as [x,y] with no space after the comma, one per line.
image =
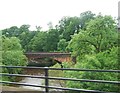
[107,60]
[12,55]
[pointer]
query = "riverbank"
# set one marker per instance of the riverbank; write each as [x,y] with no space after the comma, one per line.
[37,81]
[8,89]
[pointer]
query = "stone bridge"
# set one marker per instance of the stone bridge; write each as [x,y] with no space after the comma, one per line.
[61,57]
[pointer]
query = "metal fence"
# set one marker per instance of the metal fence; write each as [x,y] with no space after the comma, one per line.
[47,78]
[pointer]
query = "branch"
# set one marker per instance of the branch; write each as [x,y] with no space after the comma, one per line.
[91,44]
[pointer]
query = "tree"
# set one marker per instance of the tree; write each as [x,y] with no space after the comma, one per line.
[95,48]
[25,39]
[100,35]
[38,28]
[106,60]
[45,41]
[62,44]
[38,42]
[23,33]
[24,28]
[52,40]
[12,55]
[68,26]
[84,18]
[12,31]
[9,44]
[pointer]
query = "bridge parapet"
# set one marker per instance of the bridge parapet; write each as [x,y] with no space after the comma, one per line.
[61,57]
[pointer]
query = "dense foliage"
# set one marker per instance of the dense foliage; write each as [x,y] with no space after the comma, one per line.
[96,48]
[107,60]
[100,35]
[54,39]
[12,55]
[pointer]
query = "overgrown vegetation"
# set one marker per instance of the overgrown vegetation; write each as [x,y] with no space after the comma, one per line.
[12,55]
[96,48]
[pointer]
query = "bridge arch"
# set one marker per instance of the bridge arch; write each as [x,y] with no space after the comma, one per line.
[57,57]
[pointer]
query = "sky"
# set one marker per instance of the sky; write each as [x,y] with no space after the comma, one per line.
[41,12]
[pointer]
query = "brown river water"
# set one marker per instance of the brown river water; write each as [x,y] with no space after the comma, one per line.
[32,81]
[37,81]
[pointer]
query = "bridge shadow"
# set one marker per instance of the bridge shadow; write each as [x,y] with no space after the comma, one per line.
[43,62]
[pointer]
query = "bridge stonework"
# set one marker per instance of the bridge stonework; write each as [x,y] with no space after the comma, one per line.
[61,57]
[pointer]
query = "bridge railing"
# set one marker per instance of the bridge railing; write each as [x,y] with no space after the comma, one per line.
[47,78]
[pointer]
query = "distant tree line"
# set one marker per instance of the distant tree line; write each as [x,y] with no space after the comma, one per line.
[54,39]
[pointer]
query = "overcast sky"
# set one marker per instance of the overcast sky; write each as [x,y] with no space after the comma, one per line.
[41,12]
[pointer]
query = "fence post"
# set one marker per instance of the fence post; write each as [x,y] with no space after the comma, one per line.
[46,80]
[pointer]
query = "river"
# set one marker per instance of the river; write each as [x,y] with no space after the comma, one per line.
[37,81]
[32,81]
